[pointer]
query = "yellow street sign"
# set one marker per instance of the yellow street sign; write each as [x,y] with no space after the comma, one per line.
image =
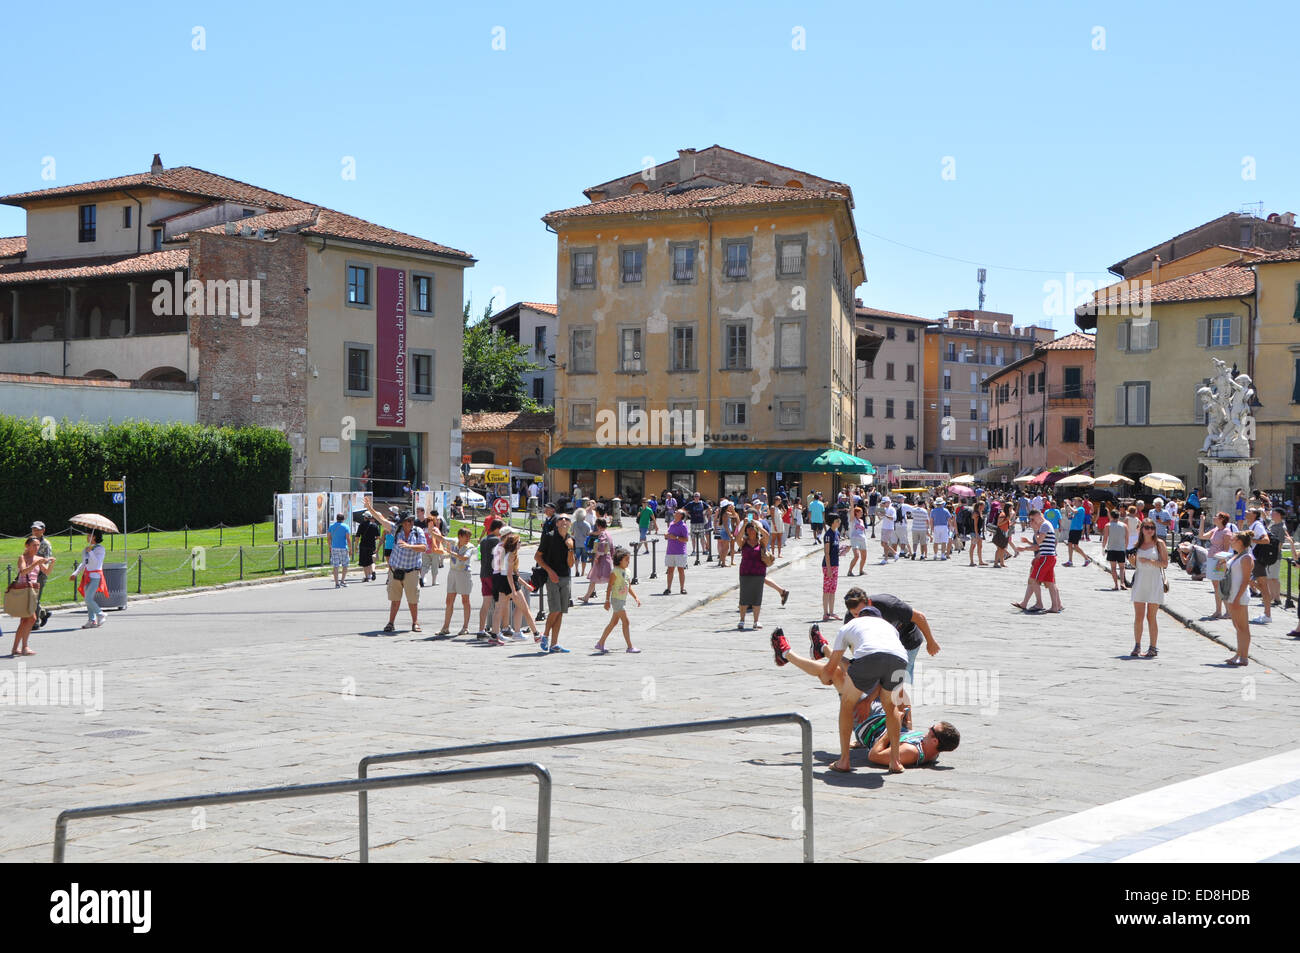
[496,476]
[114,486]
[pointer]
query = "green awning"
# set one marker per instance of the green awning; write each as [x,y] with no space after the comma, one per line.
[736,459]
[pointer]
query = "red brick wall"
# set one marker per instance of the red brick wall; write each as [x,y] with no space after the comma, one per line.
[264,361]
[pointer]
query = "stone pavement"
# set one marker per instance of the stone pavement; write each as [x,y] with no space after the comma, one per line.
[293,683]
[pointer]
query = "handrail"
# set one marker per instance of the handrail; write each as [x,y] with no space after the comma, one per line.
[361,785]
[590,737]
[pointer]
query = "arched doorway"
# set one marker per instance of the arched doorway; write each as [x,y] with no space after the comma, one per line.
[483,456]
[165,375]
[1135,466]
[100,374]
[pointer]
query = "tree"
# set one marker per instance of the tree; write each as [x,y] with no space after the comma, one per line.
[494,367]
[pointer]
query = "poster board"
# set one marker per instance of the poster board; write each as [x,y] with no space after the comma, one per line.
[308,515]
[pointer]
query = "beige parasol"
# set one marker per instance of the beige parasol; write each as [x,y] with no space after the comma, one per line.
[1162,482]
[1108,478]
[94,521]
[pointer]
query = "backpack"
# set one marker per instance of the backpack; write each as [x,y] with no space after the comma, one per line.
[1266,553]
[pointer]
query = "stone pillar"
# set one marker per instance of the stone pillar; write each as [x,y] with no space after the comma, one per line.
[130,313]
[71,317]
[13,336]
[1224,477]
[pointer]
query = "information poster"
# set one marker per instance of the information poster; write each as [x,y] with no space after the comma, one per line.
[317,505]
[349,504]
[288,516]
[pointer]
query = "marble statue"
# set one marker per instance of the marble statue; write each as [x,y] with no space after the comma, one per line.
[1226,400]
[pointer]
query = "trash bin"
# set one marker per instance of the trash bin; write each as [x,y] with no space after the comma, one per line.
[115,579]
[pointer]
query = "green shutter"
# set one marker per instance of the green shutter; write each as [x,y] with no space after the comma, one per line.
[1297,301]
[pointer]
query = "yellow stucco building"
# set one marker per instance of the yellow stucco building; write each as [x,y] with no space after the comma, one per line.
[1275,369]
[706,335]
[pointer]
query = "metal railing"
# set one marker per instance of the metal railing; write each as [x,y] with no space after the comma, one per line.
[591,737]
[362,785]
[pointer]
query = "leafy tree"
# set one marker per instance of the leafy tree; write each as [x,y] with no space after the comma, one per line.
[494,367]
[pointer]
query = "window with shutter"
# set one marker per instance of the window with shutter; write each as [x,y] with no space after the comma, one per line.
[791,344]
[1153,335]
[1297,301]
[1121,335]
[1295,390]
[1235,334]
[1202,332]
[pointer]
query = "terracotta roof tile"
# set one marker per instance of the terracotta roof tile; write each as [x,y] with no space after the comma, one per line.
[703,164]
[488,421]
[329,223]
[540,306]
[864,312]
[70,269]
[185,179]
[1286,254]
[9,247]
[683,197]
[1234,280]
[1074,341]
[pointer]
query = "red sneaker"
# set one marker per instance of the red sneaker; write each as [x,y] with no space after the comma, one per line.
[820,647]
[780,645]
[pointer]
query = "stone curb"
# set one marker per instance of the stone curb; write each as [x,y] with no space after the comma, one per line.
[174,593]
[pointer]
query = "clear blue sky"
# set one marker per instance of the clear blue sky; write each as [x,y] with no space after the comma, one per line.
[1067,158]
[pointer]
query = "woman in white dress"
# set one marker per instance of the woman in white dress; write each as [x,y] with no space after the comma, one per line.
[1238,575]
[1148,589]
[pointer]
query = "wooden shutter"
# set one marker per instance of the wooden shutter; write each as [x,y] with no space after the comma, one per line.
[1153,335]
[1121,335]
[1120,397]
[1234,333]
[1142,401]
[1202,332]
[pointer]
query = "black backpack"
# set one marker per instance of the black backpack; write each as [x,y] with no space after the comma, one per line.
[1266,553]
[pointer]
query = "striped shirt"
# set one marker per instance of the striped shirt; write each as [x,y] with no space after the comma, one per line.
[1046,540]
[407,558]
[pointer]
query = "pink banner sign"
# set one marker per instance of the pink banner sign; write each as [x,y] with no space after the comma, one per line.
[390,348]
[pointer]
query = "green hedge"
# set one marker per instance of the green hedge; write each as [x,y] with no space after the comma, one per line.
[177,474]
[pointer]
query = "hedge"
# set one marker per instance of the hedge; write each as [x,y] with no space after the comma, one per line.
[177,474]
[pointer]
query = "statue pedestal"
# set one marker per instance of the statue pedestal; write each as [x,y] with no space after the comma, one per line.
[1225,476]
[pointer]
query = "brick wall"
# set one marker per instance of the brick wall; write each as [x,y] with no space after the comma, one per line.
[254,375]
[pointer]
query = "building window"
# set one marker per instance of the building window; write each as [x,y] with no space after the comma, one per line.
[629,357]
[889,408]
[889,441]
[1133,403]
[1138,337]
[422,375]
[126,216]
[1033,379]
[358,370]
[735,413]
[736,255]
[539,340]
[1295,388]
[582,351]
[584,268]
[632,261]
[911,372]
[683,356]
[86,223]
[974,413]
[539,389]
[947,408]
[869,371]
[909,443]
[790,256]
[911,336]
[947,380]
[869,441]
[582,415]
[911,410]
[683,262]
[868,407]
[1219,331]
[358,285]
[632,412]
[736,346]
[952,350]
[422,294]
[157,239]
[789,413]
[790,345]
[1072,430]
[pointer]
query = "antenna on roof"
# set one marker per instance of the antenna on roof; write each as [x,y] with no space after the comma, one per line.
[982,274]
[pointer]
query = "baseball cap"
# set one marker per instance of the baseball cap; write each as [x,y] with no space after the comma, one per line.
[404,516]
[38,525]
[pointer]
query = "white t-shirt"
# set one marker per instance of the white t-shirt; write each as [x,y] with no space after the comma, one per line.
[1036,504]
[866,635]
[886,516]
[920,520]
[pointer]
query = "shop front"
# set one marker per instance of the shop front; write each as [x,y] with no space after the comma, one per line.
[630,473]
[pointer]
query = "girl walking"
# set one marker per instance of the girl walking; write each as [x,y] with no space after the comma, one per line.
[1218,550]
[1239,568]
[92,583]
[977,534]
[830,566]
[616,594]
[858,541]
[1148,592]
[1001,539]
[514,596]
[602,563]
[1114,540]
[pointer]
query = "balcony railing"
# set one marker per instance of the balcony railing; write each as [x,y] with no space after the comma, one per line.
[1083,393]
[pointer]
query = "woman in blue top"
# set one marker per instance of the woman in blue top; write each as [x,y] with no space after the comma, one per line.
[1078,518]
[1022,515]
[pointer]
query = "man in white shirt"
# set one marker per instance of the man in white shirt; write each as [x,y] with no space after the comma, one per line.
[875,656]
[885,510]
[1037,503]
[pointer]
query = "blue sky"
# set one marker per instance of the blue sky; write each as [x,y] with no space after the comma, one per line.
[1066,157]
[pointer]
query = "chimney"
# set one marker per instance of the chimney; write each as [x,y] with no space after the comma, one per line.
[685,164]
[1155,270]
[157,164]
[1288,218]
[857,302]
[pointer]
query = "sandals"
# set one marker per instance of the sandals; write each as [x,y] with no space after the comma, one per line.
[415,627]
[1137,650]
[785,594]
[1151,652]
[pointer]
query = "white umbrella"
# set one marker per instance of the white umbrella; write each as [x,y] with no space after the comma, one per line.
[1079,479]
[1023,479]
[1162,481]
[964,480]
[1107,478]
[94,521]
